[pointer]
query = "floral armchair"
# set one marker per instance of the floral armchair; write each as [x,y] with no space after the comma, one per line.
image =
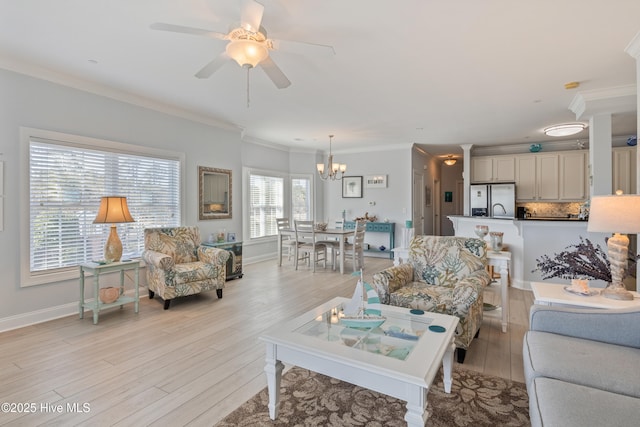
[178,266]
[443,274]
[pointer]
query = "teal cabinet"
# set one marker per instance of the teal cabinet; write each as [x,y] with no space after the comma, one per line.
[377,227]
[234,263]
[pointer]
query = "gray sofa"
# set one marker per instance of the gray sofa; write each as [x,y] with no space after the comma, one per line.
[582,366]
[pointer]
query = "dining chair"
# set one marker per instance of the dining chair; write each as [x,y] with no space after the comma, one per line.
[306,247]
[288,241]
[333,244]
[354,250]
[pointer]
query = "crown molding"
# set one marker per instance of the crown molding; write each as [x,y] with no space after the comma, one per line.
[257,141]
[619,99]
[32,70]
[547,146]
[633,48]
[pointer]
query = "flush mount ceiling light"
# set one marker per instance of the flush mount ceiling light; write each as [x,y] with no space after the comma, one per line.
[565,129]
[450,161]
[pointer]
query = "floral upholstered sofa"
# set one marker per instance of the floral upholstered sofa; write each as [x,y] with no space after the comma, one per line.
[442,274]
[178,266]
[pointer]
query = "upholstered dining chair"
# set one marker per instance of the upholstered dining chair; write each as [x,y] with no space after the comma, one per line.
[306,247]
[288,241]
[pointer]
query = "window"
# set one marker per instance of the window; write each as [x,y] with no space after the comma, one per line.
[301,198]
[266,203]
[272,195]
[68,175]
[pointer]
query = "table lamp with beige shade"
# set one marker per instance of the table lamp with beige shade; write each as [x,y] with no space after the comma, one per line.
[619,214]
[113,210]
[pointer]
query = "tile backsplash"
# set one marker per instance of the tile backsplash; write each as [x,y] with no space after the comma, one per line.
[551,209]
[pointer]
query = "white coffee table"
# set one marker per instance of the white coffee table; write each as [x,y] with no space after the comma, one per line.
[318,342]
[546,293]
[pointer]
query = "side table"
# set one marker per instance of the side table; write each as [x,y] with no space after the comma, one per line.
[547,293]
[502,260]
[97,269]
[234,263]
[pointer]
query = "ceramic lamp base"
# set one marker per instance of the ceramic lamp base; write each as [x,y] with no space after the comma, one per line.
[617,292]
[113,247]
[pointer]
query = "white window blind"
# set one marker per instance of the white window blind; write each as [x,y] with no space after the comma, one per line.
[66,183]
[266,203]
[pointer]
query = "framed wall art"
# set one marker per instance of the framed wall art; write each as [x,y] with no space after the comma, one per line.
[375,181]
[351,187]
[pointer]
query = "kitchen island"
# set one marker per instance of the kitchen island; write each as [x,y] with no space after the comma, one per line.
[530,239]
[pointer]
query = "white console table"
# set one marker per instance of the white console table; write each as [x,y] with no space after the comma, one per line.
[501,260]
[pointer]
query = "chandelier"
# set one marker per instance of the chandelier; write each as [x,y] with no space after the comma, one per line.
[450,161]
[332,169]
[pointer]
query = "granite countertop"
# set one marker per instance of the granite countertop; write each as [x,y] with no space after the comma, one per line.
[550,218]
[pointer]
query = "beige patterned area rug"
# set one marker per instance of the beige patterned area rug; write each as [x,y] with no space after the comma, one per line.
[310,399]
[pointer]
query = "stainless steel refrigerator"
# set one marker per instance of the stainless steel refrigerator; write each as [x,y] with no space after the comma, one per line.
[493,200]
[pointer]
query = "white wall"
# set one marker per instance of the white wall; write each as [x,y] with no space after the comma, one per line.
[31,102]
[393,202]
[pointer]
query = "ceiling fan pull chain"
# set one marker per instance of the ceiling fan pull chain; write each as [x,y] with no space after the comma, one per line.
[248,68]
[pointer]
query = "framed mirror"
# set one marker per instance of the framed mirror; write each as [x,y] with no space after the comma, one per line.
[214,193]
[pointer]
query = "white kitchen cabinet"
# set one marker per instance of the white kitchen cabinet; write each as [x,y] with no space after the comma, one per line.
[547,177]
[526,187]
[573,176]
[624,170]
[537,177]
[493,169]
[552,177]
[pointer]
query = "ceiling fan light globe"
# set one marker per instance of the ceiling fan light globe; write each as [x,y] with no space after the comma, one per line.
[247,52]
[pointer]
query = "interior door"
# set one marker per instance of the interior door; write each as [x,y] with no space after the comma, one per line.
[418,203]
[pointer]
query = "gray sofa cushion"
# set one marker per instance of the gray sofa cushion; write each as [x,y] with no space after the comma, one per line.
[595,364]
[558,403]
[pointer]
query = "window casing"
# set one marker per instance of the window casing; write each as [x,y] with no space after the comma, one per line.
[65,179]
[271,195]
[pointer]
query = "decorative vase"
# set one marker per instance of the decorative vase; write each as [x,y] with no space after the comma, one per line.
[109,294]
[382,248]
[496,240]
[481,231]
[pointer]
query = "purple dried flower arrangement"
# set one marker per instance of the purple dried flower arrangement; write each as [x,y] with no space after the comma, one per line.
[584,261]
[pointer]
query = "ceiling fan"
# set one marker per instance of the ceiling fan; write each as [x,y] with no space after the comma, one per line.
[247,44]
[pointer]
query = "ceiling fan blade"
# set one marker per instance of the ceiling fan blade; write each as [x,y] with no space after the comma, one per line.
[212,66]
[187,30]
[275,73]
[251,15]
[301,47]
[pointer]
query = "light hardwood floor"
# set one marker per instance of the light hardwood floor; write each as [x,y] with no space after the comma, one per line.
[195,363]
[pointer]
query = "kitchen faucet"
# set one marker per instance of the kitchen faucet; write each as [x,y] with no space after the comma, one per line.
[493,208]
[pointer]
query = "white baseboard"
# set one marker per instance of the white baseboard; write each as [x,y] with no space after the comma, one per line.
[38,316]
[47,314]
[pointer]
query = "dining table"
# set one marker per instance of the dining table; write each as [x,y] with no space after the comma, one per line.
[341,233]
